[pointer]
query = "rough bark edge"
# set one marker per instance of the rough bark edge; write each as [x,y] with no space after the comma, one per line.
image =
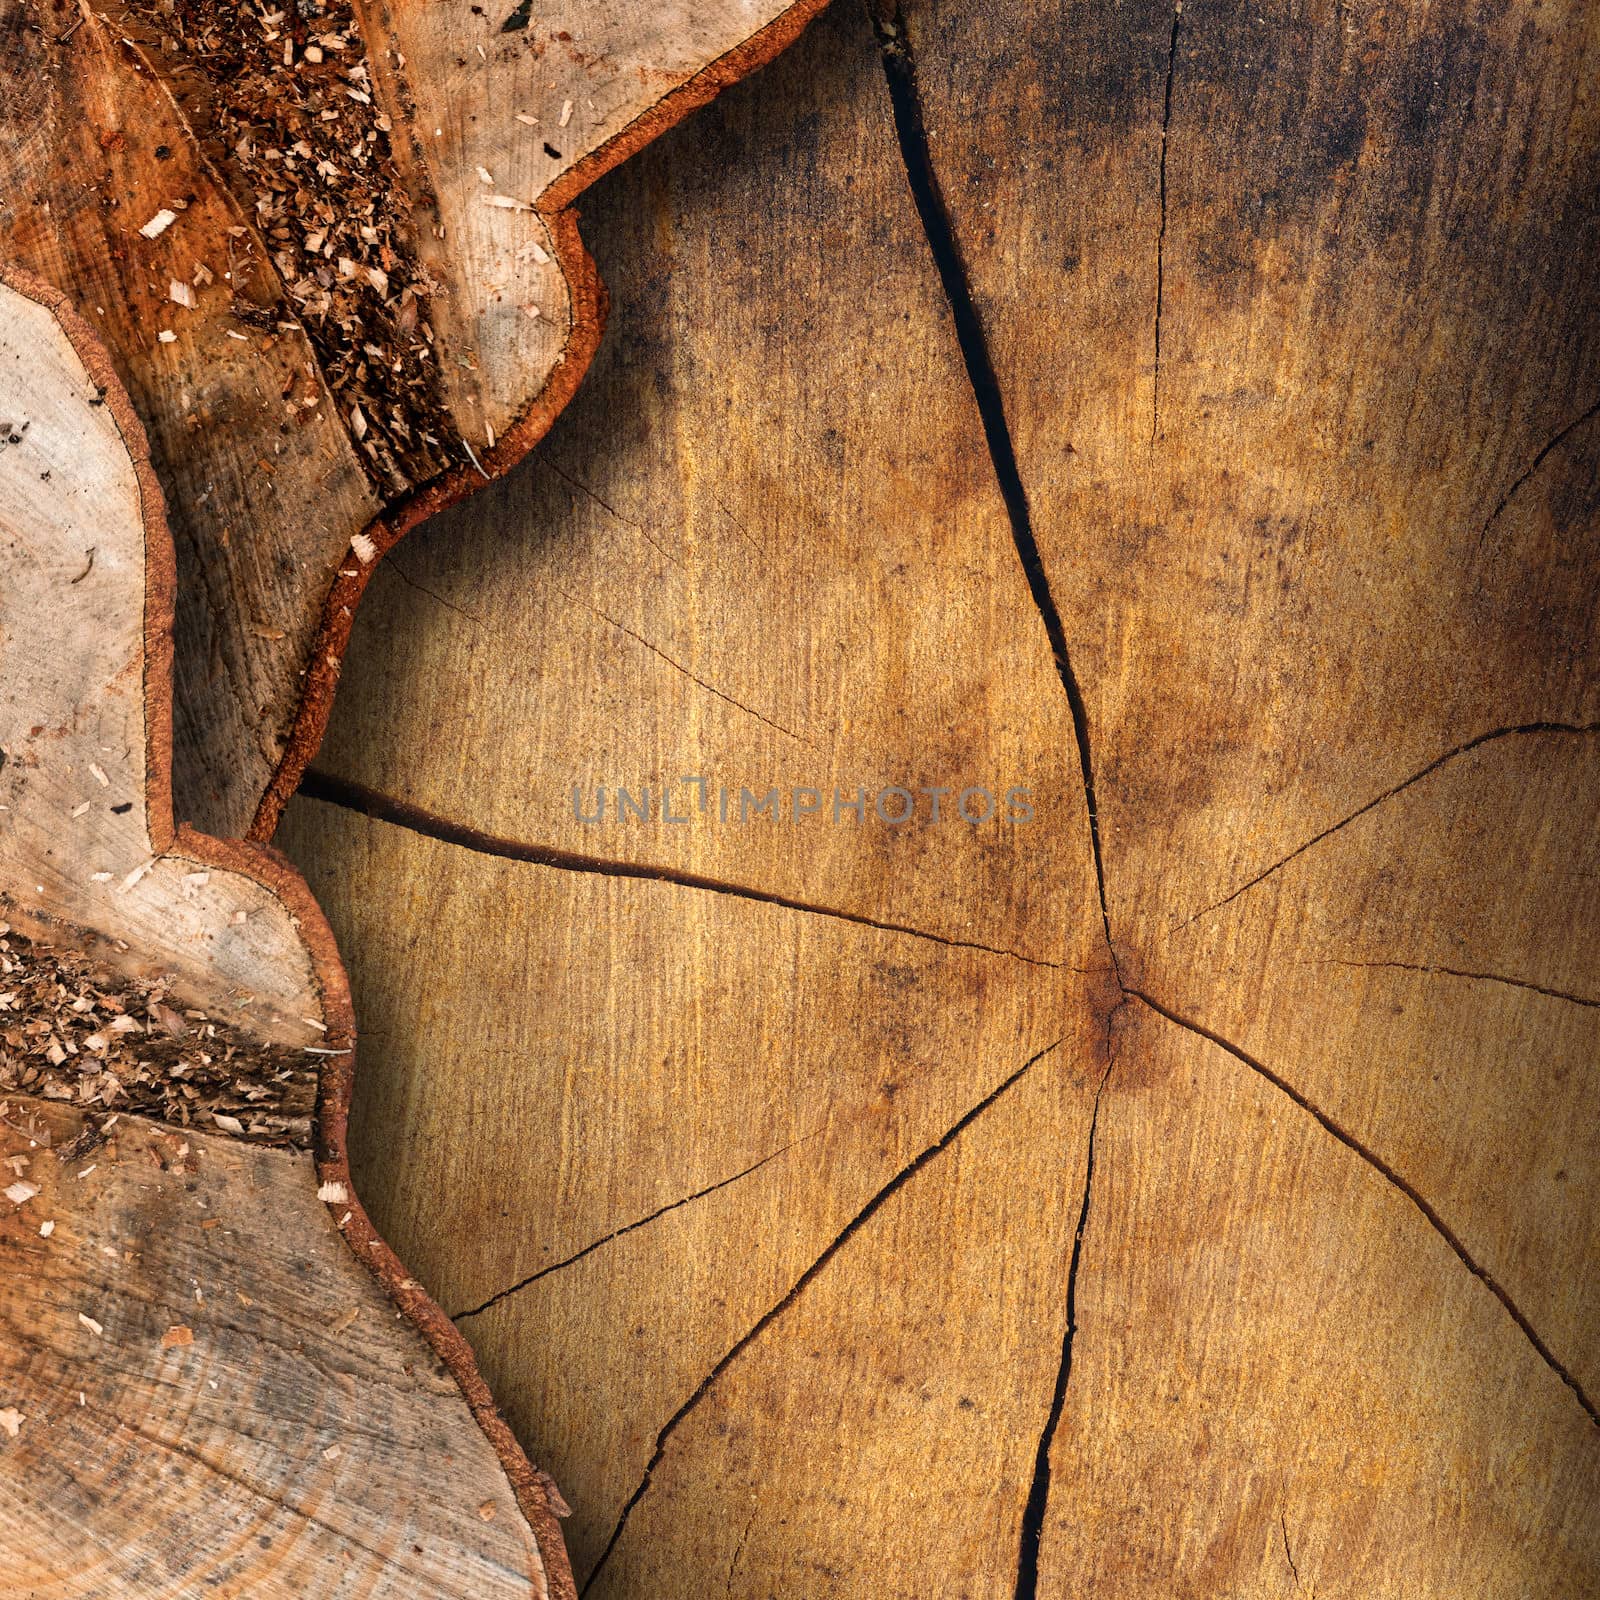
[590,303]
[535,1492]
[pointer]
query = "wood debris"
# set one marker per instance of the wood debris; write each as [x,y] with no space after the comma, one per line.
[281,97]
[70,1031]
[11,1420]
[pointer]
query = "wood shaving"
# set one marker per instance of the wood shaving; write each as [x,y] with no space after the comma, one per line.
[146,1056]
[292,127]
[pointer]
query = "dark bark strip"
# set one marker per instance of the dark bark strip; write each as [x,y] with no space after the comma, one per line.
[901,73]
[851,1228]
[1382,1167]
[319,785]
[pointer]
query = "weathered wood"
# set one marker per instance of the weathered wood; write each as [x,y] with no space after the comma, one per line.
[289,453]
[208,1394]
[92,869]
[1278,1272]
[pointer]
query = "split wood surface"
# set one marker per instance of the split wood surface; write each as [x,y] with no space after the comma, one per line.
[1191,1192]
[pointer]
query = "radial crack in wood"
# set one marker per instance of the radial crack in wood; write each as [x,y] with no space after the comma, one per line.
[1332,1272]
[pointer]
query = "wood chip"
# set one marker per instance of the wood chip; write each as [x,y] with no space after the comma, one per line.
[21,1192]
[333,1193]
[93,1326]
[11,1420]
[181,294]
[176,1337]
[158,224]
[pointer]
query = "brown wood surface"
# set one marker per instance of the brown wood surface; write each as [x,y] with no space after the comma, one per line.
[857,1210]
[207,1390]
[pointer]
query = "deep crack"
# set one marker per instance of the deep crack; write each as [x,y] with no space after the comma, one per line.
[855,1224]
[900,72]
[357,797]
[1038,1502]
[1388,794]
[1384,1170]
[1161,230]
[1428,970]
[1554,442]
[617,1233]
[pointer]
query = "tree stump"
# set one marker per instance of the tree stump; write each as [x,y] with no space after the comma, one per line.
[1186,415]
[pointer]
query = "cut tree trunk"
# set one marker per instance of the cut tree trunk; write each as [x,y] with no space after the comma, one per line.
[201,1384]
[1191,1190]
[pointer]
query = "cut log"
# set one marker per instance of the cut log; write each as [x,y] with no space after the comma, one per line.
[344,285]
[199,1383]
[1187,1192]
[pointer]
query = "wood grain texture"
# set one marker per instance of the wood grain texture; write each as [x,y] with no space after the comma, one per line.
[1248,356]
[265,493]
[256,450]
[88,853]
[231,930]
[245,1385]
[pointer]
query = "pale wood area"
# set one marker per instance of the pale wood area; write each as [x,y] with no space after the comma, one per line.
[209,1358]
[271,469]
[207,1388]
[87,851]
[264,494]
[1253,1254]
